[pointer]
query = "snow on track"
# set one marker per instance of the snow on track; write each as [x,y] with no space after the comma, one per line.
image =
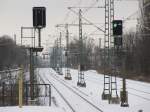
[138,92]
[74,91]
[56,94]
[79,104]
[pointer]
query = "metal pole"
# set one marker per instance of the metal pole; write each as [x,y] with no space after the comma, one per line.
[57,56]
[49,95]
[53,58]
[124,92]
[60,55]
[15,38]
[26,96]
[106,89]
[100,43]
[67,42]
[3,94]
[11,93]
[21,88]
[31,75]
[67,74]
[21,34]
[81,81]
[80,37]
[39,30]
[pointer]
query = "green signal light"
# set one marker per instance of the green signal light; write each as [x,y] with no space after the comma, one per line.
[115,25]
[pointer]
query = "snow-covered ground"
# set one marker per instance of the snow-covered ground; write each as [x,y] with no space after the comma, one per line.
[68,97]
[139,93]
[30,109]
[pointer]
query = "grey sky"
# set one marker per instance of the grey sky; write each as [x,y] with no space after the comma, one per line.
[17,13]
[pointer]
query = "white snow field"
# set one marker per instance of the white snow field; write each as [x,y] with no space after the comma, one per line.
[30,109]
[68,97]
[139,93]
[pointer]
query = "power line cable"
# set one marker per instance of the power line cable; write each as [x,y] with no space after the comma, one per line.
[86,10]
[68,13]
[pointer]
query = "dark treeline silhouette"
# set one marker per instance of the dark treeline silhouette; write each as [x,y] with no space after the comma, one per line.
[11,55]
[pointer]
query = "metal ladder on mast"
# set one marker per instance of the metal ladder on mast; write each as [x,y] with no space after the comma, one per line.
[106,89]
[81,80]
[67,69]
[113,85]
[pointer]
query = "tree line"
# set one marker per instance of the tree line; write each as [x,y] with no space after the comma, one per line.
[11,55]
[136,53]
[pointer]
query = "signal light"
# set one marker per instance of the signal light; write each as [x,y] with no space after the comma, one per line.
[117,27]
[39,17]
[117,32]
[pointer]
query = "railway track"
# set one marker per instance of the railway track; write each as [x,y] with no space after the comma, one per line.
[80,93]
[61,95]
[73,87]
[87,101]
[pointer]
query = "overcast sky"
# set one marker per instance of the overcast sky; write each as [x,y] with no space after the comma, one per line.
[17,13]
